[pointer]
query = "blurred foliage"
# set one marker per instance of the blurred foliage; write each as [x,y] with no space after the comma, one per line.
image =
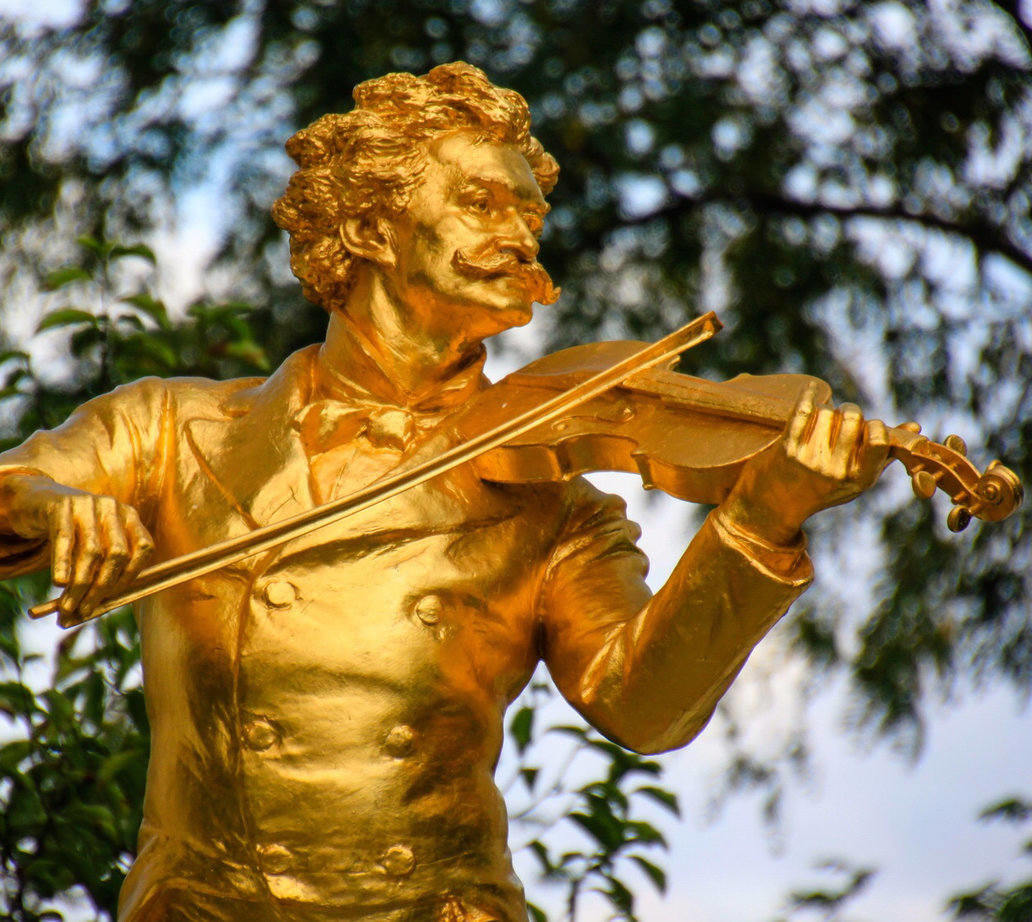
[606,812]
[827,903]
[72,776]
[74,757]
[849,183]
[1000,902]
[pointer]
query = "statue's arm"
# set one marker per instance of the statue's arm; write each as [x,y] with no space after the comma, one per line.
[77,496]
[648,672]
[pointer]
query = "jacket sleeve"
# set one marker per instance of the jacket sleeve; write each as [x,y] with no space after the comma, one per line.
[113,445]
[648,671]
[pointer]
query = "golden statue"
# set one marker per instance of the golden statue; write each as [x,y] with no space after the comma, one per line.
[327,705]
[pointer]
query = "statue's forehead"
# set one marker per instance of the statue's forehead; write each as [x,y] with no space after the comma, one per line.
[471,158]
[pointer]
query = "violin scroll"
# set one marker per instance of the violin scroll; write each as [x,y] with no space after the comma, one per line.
[990,496]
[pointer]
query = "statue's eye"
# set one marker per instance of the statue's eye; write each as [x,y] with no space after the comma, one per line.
[479,204]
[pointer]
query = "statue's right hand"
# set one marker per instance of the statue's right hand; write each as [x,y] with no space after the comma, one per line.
[98,544]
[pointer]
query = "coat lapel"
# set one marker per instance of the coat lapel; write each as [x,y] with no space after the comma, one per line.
[252,451]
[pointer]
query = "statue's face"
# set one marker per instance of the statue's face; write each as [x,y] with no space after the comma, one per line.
[466,250]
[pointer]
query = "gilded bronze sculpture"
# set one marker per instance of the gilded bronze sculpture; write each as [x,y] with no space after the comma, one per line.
[326,705]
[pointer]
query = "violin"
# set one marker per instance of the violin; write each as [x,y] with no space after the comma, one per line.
[690,437]
[612,406]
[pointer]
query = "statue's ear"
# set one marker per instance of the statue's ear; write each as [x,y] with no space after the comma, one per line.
[371,238]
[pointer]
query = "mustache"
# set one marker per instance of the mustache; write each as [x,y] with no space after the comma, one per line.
[491,261]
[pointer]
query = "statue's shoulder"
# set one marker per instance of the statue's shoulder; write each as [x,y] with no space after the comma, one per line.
[199,392]
[237,396]
[188,395]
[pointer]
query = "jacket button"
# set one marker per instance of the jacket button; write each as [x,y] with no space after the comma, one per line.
[259,734]
[399,741]
[278,593]
[275,859]
[428,609]
[398,861]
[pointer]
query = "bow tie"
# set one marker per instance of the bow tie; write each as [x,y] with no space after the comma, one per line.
[325,424]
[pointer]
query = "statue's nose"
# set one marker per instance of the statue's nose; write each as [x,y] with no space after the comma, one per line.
[519,240]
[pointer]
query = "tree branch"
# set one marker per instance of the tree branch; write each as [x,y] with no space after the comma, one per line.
[985,237]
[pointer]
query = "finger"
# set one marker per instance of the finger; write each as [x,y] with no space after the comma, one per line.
[114,551]
[851,429]
[878,436]
[849,439]
[875,452]
[85,557]
[817,450]
[801,423]
[141,548]
[62,542]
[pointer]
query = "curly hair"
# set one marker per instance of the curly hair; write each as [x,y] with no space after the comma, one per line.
[368,162]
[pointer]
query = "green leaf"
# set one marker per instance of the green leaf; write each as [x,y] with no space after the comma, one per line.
[662,796]
[85,339]
[93,816]
[249,352]
[160,351]
[59,708]
[536,914]
[152,307]
[530,777]
[98,247]
[605,829]
[25,813]
[134,323]
[65,317]
[521,727]
[646,832]
[1011,809]
[51,876]
[618,894]
[540,852]
[1017,904]
[14,753]
[569,730]
[115,763]
[17,699]
[65,276]
[137,249]
[655,873]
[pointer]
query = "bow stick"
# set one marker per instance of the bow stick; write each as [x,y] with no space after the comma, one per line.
[197,563]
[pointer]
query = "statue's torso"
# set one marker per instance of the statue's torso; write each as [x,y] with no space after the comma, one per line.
[326,717]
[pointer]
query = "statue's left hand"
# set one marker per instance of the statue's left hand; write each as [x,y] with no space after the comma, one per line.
[825,457]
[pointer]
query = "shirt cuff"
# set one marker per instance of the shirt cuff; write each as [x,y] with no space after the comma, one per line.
[21,555]
[784,562]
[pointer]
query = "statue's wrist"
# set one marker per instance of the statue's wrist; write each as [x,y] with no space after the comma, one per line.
[760,522]
[24,496]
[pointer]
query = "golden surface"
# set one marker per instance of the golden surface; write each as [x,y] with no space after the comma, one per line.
[327,715]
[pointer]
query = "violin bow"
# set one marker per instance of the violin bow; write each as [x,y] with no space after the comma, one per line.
[198,563]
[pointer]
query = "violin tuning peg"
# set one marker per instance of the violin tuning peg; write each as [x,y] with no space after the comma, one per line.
[958,519]
[924,484]
[957,444]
